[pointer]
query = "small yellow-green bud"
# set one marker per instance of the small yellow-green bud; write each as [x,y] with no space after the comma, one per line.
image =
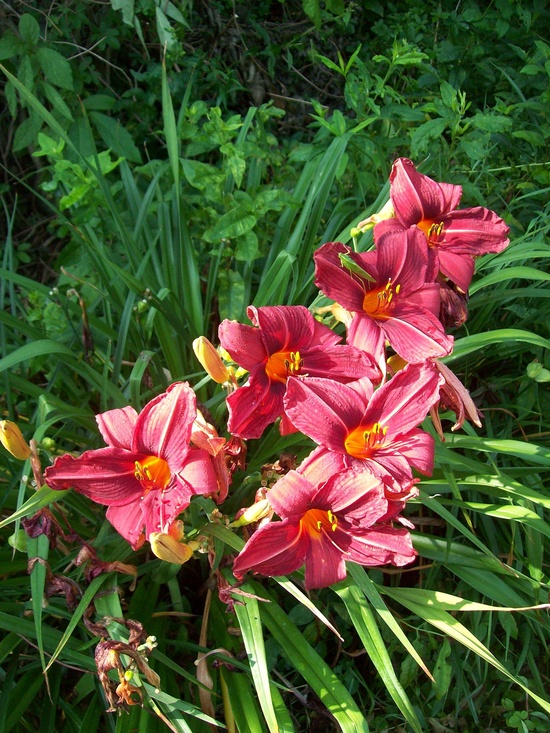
[13,441]
[254,513]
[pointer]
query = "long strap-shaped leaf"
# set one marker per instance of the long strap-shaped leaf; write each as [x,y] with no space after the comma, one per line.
[365,624]
[248,615]
[312,667]
[425,604]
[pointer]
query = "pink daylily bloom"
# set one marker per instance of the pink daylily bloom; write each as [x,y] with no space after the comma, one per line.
[148,472]
[457,235]
[377,430]
[283,341]
[399,302]
[323,525]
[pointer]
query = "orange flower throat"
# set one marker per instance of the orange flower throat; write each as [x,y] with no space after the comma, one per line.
[317,521]
[378,303]
[363,442]
[284,364]
[152,473]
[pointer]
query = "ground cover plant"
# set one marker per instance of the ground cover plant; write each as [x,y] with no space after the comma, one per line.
[274,362]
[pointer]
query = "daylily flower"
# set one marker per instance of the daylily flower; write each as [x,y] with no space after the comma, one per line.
[396,298]
[148,472]
[323,526]
[357,427]
[283,341]
[457,235]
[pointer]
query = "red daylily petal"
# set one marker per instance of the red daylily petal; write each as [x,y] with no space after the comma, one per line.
[418,448]
[163,427]
[355,492]
[277,548]
[291,495]
[335,281]
[243,343]
[117,426]
[321,464]
[325,562]
[105,475]
[475,231]
[404,401]
[403,258]
[416,335]
[128,521]
[347,363]
[255,406]
[416,197]
[323,409]
[382,545]
[283,327]
[458,268]
[199,472]
[366,334]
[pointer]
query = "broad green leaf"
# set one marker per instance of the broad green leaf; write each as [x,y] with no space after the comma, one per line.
[231,295]
[29,29]
[423,135]
[235,223]
[115,136]
[56,68]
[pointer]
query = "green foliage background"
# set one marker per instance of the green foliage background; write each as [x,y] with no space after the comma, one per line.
[165,165]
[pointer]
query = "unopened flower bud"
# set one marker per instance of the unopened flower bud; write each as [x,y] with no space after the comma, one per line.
[166,547]
[386,212]
[254,513]
[210,359]
[13,441]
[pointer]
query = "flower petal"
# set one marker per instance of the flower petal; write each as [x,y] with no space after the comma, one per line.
[403,402]
[335,281]
[128,521]
[117,426]
[382,545]
[243,343]
[416,197]
[291,495]
[255,406]
[105,475]
[416,334]
[163,427]
[277,548]
[283,327]
[325,562]
[323,410]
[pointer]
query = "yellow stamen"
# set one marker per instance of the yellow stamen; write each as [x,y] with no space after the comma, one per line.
[432,229]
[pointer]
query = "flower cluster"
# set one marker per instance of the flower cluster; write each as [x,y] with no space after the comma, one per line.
[361,402]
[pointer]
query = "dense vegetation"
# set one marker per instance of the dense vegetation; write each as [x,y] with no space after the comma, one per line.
[165,165]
